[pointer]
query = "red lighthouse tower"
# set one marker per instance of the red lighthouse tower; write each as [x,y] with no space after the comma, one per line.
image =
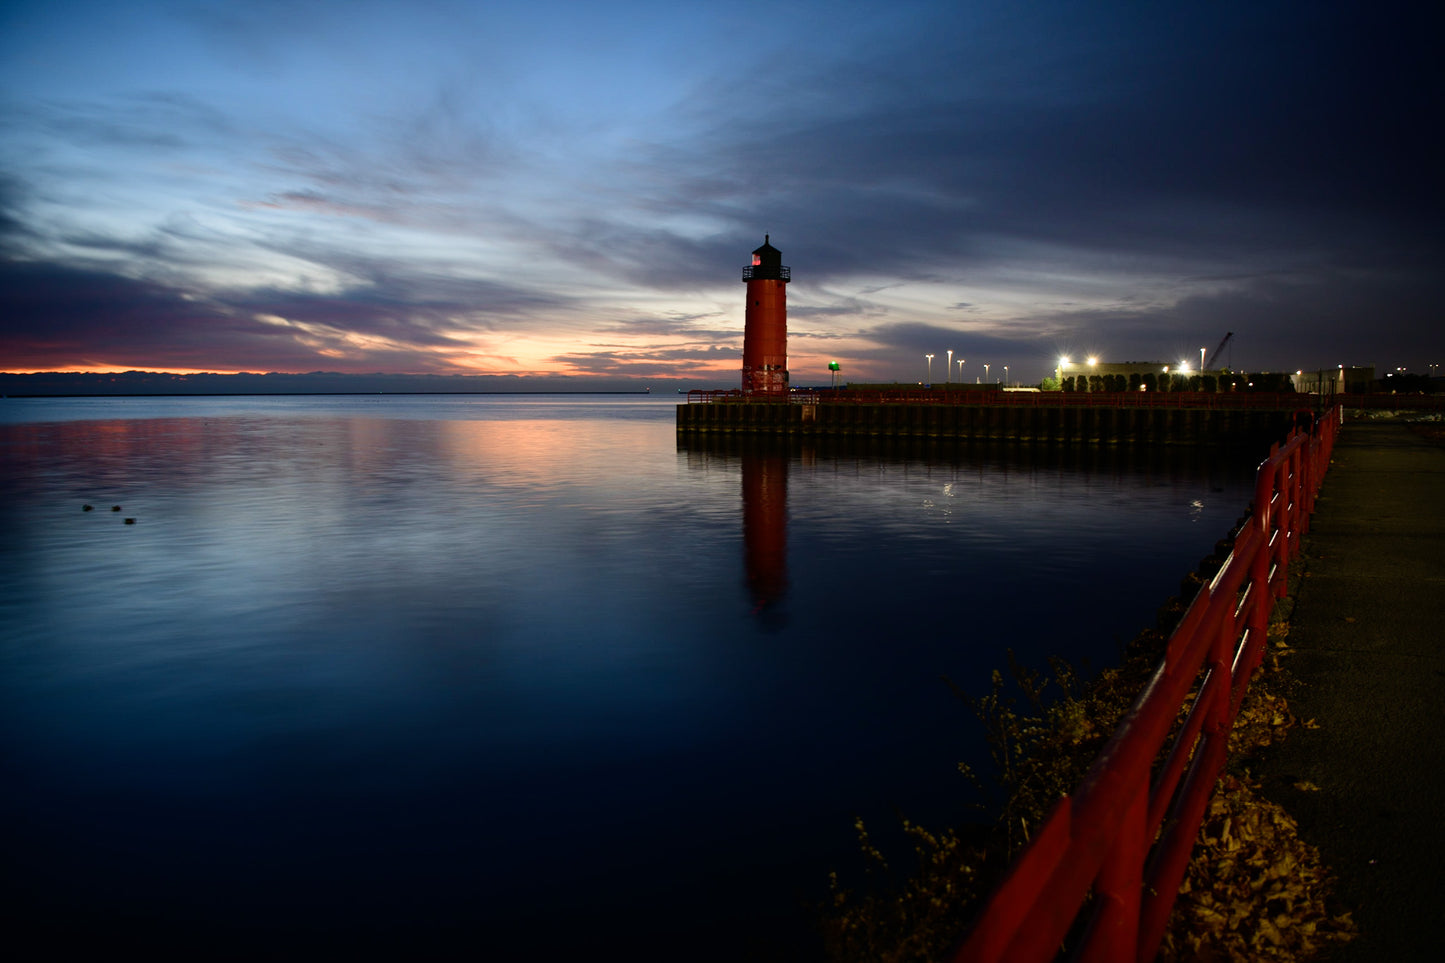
[765,332]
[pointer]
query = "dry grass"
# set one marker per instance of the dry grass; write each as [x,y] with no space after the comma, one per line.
[1253,889]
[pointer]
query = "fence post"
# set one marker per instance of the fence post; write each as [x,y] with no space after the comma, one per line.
[1119,887]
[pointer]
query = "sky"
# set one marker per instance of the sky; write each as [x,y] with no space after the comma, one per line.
[570,189]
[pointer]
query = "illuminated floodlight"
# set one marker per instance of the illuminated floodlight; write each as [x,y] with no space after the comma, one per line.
[1093,360]
[1184,367]
[1063,360]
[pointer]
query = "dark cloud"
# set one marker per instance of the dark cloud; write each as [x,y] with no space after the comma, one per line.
[1201,132]
[697,327]
[1322,320]
[56,316]
[13,230]
[827,306]
[913,340]
[664,363]
[1283,321]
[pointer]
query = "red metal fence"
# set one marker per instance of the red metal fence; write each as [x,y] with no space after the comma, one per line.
[1105,840]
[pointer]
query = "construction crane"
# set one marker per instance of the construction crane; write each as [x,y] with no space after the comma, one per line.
[1214,358]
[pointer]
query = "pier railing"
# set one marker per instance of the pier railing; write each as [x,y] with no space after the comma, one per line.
[1108,860]
[1075,399]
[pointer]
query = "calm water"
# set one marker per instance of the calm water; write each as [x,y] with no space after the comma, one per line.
[509,676]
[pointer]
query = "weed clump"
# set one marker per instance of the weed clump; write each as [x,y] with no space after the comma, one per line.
[907,919]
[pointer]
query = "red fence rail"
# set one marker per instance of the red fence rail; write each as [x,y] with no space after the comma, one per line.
[1105,840]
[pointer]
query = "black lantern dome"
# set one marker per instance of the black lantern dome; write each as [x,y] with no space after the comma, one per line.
[767,265]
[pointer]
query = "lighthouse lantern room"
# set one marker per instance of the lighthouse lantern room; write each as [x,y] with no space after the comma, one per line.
[765,330]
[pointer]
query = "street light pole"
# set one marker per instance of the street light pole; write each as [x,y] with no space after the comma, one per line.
[930,368]
[985,372]
[948,368]
[1005,376]
[960,371]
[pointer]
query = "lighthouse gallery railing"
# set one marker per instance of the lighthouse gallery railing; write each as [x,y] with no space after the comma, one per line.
[1124,837]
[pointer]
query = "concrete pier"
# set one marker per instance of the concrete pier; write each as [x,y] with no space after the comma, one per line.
[1089,425]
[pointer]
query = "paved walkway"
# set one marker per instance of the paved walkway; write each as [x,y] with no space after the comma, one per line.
[1368,628]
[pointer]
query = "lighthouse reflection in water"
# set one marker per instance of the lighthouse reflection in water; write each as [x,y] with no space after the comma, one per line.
[765,528]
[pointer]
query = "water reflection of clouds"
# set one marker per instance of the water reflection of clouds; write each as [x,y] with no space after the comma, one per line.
[554,551]
[549,455]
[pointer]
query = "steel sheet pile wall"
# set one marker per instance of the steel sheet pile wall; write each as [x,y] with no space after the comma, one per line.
[995,422]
